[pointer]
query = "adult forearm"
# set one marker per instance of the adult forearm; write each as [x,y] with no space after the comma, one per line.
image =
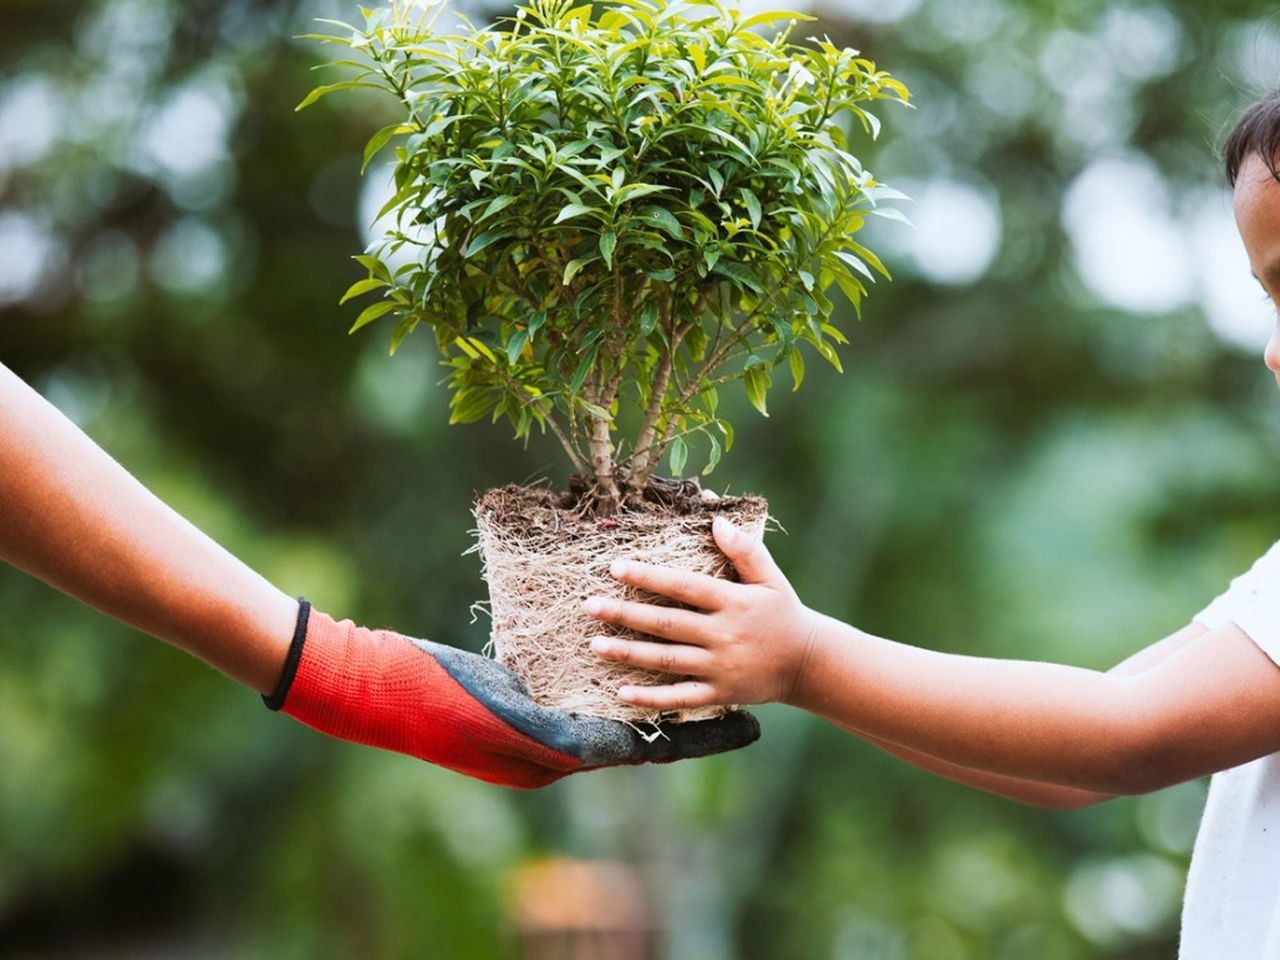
[1034,721]
[73,517]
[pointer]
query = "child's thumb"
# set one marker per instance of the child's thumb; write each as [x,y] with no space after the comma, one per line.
[749,556]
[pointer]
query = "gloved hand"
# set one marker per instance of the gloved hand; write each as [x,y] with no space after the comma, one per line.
[461,710]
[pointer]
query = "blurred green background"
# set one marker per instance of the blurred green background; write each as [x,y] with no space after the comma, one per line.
[1055,439]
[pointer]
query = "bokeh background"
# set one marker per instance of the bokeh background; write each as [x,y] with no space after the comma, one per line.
[1055,439]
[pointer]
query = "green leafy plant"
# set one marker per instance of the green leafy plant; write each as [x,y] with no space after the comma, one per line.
[616,209]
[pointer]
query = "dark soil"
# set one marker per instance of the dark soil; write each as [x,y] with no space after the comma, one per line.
[529,508]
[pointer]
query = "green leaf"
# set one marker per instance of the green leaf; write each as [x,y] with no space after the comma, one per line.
[891,213]
[743,275]
[852,287]
[471,405]
[731,80]
[486,239]
[713,458]
[593,409]
[829,354]
[574,267]
[375,266]
[666,220]
[496,205]
[329,88]
[758,383]
[328,38]
[855,263]
[361,287]
[752,203]
[571,210]
[634,191]
[727,429]
[402,330]
[608,242]
[871,258]
[372,313]
[711,397]
[584,367]
[698,56]
[401,196]
[380,139]
[648,319]
[725,136]
[773,16]
[679,455]
[480,347]
[515,346]
[797,369]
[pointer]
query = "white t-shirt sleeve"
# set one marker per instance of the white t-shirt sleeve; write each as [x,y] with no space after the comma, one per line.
[1252,603]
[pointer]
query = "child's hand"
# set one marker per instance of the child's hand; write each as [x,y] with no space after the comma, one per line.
[746,642]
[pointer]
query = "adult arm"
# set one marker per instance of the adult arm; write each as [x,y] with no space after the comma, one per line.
[71,516]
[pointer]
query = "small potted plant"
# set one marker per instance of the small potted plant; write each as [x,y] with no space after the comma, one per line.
[612,212]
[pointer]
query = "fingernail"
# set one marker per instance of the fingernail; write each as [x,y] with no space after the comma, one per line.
[724,528]
[592,606]
[626,693]
[600,645]
[618,568]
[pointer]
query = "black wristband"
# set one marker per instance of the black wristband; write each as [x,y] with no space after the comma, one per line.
[275,700]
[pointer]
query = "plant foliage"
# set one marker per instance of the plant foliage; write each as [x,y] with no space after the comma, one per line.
[614,210]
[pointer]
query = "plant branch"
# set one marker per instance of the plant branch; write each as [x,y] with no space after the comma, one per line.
[718,356]
[645,458]
[549,417]
[571,448]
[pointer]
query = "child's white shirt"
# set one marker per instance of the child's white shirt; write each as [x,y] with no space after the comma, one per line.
[1231,910]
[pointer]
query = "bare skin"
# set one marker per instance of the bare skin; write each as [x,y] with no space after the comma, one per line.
[77,520]
[1194,703]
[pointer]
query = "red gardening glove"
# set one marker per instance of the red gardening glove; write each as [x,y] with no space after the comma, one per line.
[461,710]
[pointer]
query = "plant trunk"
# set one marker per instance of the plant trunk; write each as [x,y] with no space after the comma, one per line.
[646,454]
[601,446]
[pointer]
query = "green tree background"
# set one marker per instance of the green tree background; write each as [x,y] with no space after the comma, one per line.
[1055,439]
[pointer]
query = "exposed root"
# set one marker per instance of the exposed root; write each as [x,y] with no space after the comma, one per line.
[543,555]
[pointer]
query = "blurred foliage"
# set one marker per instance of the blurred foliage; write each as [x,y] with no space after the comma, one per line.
[1023,459]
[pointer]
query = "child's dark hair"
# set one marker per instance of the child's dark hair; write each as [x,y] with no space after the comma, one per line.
[1257,132]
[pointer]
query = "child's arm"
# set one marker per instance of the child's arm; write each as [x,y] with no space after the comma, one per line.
[1211,703]
[1032,792]
[1048,795]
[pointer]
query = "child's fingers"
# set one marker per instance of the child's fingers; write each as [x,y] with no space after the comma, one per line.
[663,657]
[750,557]
[670,623]
[675,696]
[696,589]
